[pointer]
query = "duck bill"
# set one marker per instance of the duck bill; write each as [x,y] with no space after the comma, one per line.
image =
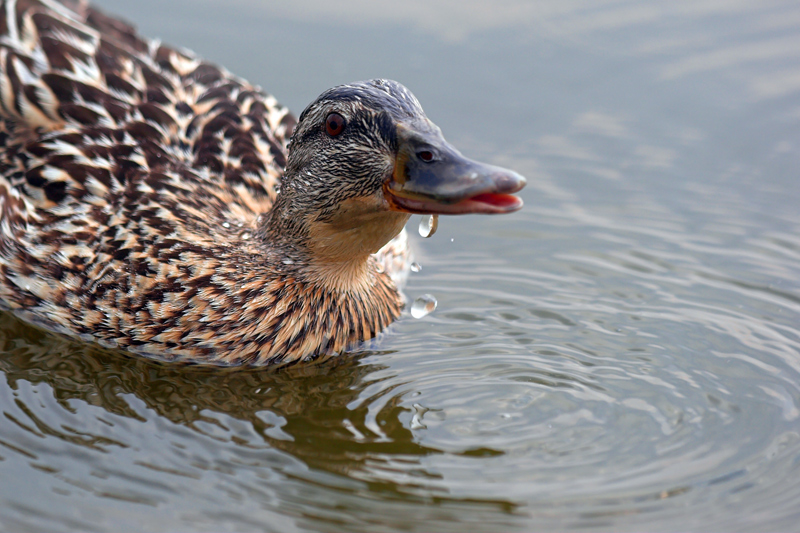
[432,177]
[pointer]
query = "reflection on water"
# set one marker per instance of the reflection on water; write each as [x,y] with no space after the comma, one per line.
[328,425]
[622,354]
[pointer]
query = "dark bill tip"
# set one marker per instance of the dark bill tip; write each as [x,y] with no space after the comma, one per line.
[453,185]
[432,177]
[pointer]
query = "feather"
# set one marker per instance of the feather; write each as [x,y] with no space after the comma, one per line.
[133,179]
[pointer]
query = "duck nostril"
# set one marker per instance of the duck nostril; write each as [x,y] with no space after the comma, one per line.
[425,155]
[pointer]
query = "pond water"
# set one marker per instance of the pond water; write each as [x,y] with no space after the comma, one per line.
[622,354]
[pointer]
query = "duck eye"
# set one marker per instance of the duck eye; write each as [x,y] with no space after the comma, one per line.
[426,156]
[334,124]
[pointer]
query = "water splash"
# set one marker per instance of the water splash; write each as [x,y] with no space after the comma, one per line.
[423,306]
[415,267]
[428,225]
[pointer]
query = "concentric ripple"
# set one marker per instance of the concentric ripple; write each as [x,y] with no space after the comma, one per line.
[622,354]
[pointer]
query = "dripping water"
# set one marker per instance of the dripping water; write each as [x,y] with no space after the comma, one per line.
[423,306]
[428,225]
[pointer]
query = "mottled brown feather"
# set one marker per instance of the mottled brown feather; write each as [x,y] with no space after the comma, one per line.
[132,179]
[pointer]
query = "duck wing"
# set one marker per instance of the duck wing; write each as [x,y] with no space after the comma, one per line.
[126,167]
[89,110]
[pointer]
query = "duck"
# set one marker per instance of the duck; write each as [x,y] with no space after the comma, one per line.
[154,203]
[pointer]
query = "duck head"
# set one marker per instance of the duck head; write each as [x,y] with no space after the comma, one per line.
[363,158]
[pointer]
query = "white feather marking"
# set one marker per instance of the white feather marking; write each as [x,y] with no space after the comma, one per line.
[6,93]
[67,15]
[51,173]
[88,47]
[47,100]
[138,158]
[33,285]
[11,21]
[182,64]
[25,75]
[33,116]
[85,72]
[62,148]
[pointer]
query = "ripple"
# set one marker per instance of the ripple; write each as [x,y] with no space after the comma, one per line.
[621,354]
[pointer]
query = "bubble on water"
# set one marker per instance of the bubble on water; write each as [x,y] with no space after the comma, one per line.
[415,267]
[428,225]
[424,305]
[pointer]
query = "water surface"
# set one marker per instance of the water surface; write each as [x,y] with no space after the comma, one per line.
[622,354]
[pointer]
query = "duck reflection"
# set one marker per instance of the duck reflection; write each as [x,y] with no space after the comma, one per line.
[319,411]
[343,417]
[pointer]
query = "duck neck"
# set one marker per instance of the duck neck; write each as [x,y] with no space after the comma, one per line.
[331,249]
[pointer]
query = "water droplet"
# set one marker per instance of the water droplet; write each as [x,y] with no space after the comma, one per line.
[239,224]
[451,239]
[245,235]
[428,225]
[226,225]
[422,306]
[415,267]
[380,268]
[287,262]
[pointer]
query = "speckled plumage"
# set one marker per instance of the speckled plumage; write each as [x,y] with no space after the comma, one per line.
[153,202]
[133,181]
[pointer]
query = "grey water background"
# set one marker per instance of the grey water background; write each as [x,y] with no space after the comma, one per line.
[623,354]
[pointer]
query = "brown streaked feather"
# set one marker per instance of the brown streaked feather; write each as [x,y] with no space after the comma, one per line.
[132,178]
